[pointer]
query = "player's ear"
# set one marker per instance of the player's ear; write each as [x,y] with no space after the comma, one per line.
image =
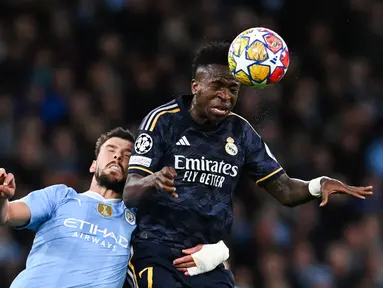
[194,86]
[92,167]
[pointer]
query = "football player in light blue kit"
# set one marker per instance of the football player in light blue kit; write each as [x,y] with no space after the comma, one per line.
[82,240]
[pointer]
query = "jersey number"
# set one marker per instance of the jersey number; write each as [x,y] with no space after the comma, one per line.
[150,275]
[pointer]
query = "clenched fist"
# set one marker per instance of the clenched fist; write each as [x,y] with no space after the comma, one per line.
[7,184]
[164,180]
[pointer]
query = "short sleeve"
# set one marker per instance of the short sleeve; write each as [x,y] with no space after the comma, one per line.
[42,203]
[148,151]
[260,163]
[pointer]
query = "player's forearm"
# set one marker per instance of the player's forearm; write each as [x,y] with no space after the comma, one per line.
[14,214]
[4,203]
[289,191]
[135,188]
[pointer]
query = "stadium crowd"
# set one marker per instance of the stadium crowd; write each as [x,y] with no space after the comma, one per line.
[70,70]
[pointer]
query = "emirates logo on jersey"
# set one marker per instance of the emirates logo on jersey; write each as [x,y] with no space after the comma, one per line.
[204,171]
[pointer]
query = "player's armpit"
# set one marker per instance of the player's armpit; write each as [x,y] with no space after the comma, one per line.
[288,191]
[18,214]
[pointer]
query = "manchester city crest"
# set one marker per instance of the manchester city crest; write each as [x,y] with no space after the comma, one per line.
[129,217]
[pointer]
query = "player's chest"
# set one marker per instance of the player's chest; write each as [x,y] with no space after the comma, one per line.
[196,144]
[95,224]
[205,157]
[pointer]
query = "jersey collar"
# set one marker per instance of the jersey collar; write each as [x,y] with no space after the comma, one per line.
[97,196]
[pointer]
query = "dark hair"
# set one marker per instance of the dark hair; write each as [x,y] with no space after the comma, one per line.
[116,132]
[211,53]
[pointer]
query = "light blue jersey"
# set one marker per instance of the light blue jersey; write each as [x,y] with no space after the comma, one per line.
[82,240]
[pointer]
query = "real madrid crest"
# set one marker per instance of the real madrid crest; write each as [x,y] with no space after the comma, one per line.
[230,147]
[129,217]
[104,210]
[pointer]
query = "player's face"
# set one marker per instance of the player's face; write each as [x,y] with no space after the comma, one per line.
[216,93]
[110,168]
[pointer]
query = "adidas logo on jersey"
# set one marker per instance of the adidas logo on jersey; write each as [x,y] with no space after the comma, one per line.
[183,142]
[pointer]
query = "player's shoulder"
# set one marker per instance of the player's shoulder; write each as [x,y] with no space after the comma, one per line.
[61,190]
[240,122]
[160,116]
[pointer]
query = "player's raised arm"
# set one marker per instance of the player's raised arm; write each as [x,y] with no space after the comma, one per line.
[30,211]
[267,172]
[293,192]
[11,213]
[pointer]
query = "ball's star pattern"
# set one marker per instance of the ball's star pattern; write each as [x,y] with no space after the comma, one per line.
[273,60]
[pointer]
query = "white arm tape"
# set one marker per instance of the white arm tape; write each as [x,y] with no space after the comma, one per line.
[315,187]
[209,257]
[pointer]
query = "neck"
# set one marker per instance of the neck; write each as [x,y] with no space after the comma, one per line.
[106,193]
[196,115]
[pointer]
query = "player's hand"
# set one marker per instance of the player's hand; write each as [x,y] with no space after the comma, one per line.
[332,186]
[164,180]
[202,258]
[187,261]
[7,184]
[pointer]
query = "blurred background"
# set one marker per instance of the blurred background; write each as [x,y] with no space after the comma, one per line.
[71,70]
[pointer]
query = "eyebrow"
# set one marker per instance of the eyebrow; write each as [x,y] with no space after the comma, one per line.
[114,146]
[227,82]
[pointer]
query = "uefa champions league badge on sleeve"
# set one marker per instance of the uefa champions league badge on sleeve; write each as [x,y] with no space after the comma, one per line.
[143,143]
[129,217]
[230,147]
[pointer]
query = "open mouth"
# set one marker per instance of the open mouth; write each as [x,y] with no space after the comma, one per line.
[220,111]
[115,167]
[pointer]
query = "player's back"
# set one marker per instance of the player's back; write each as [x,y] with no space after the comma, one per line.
[208,162]
[82,240]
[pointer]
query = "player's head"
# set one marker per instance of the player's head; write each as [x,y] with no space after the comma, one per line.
[214,87]
[113,150]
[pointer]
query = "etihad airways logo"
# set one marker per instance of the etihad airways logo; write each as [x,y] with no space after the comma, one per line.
[95,234]
[195,168]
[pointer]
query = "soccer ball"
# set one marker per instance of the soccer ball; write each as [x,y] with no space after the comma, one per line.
[258,57]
